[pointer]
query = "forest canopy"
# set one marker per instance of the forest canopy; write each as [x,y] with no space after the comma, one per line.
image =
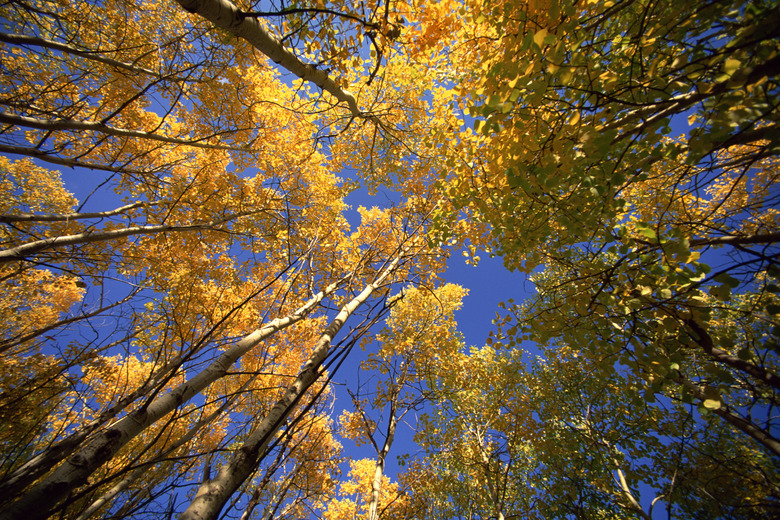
[183,276]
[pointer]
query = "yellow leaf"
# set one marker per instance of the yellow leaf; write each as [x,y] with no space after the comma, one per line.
[731,65]
[712,404]
[540,36]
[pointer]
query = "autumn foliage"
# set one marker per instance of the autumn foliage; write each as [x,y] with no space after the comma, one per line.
[185,279]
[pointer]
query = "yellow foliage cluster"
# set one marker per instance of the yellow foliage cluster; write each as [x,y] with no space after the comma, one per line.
[392,502]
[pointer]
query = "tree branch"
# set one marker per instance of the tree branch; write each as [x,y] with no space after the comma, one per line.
[94,55]
[92,126]
[735,240]
[758,434]
[65,161]
[20,252]
[705,341]
[29,217]
[225,15]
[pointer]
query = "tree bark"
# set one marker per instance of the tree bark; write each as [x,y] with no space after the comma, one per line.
[90,54]
[226,15]
[38,501]
[45,156]
[748,427]
[88,237]
[214,493]
[379,469]
[109,495]
[706,343]
[67,217]
[92,126]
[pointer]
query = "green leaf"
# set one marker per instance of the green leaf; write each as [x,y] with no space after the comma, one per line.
[727,279]
[647,232]
[721,292]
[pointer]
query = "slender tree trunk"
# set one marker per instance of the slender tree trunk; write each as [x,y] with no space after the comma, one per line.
[379,469]
[38,501]
[214,493]
[492,485]
[381,456]
[109,495]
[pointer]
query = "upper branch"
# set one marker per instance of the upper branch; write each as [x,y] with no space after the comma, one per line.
[225,15]
[21,39]
[92,126]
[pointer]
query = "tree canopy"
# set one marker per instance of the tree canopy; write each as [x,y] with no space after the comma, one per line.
[183,276]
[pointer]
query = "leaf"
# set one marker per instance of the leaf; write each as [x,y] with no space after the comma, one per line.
[712,399]
[726,279]
[712,404]
[731,65]
[648,233]
[539,36]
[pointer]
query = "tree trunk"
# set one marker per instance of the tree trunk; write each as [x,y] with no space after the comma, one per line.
[38,501]
[214,493]
[88,237]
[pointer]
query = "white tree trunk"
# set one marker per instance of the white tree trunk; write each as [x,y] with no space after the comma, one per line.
[36,503]
[214,493]
[379,469]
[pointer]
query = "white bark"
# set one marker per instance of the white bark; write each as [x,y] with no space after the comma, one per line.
[66,217]
[630,496]
[381,456]
[226,15]
[379,468]
[214,493]
[92,126]
[77,468]
[88,237]
[492,486]
[109,495]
